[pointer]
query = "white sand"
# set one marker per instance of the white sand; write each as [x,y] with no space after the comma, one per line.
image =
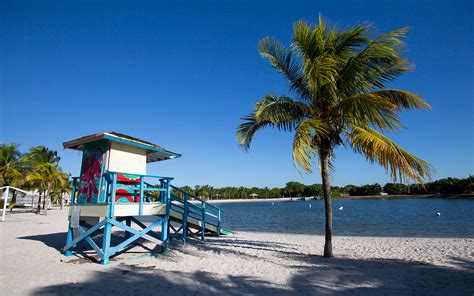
[245,263]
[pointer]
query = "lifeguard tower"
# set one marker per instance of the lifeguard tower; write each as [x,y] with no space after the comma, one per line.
[114,190]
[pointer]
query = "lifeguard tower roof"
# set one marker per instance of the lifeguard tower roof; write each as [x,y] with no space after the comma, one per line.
[153,152]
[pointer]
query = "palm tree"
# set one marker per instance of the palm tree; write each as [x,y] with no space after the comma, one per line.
[47,177]
[41,154]
[337,79]
[11,168]
[10,164]
[63,188]
[45,173]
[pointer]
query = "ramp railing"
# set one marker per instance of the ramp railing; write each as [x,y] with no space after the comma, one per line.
[190,206]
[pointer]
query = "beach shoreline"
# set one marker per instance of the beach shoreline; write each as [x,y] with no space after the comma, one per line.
[398,196]
[251,262]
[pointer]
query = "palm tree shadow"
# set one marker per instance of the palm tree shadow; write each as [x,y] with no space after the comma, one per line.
[318,276]
[349,276]
[311,275]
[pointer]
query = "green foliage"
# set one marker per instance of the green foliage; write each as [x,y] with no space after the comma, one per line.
[337,80]
[374,189]
[10,164]
[37,169]
[296,189]
[396,188]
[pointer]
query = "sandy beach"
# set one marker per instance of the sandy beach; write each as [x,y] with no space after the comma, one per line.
[243,263]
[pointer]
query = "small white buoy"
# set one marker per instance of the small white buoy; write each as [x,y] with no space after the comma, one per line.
[273,203]
[438,214]
[340,208]
[310,206]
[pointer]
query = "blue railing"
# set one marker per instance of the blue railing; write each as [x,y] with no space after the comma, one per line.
[192,206]
[179,201]
[145,189]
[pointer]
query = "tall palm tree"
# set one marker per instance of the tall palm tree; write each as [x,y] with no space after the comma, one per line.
[338,79]
[44,172]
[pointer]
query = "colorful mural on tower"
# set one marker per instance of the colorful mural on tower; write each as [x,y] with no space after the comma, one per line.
[125,192]
[91,173]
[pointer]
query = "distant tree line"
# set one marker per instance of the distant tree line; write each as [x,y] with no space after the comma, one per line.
[296,189]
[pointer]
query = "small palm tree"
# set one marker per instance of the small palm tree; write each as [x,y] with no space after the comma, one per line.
[42,154]
[47,177]
[337,79]
[45,173]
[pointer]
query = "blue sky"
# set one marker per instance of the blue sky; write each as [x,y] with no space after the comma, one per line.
[182,74]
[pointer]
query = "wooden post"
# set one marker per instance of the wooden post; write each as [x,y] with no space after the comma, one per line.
[108,225]
[140,206]
[128,222]
[185,218]
[218,222]
[70,231]
[165,219]
[203,220]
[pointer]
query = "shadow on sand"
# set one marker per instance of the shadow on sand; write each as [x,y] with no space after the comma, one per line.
[311,275]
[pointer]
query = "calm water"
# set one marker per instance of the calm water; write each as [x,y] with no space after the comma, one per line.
[396,217]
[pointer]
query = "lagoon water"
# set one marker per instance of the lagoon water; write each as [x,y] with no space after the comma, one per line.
[384,217]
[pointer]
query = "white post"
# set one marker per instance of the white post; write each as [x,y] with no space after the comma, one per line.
[5,199]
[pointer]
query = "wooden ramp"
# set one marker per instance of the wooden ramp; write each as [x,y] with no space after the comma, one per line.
[201,217]
[193,223]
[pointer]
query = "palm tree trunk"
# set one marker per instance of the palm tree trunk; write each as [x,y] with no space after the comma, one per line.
[38,209]
[327,203]
[13,201]
[62,200]
[45,196]
[45,206]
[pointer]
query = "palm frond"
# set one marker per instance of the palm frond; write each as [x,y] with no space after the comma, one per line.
[319,64]
[320,73]
[368,109]
[282,60]
[246,131]
[402,99]
[347,42]
[380,149]
[305,42]
[280,112]
[307,134]
[378,63]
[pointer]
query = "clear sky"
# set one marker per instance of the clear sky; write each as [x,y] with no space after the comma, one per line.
[182,74]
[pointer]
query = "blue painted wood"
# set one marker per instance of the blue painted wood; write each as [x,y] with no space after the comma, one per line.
[218,223]
[137,234]
[87,233]
[106,242]
[195,197]
[203,221]
[185,220]
[140,207]
[128,222]
[143,232]
[91,242]
[70,231]
[112,196]
[165,220]
[201,212]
